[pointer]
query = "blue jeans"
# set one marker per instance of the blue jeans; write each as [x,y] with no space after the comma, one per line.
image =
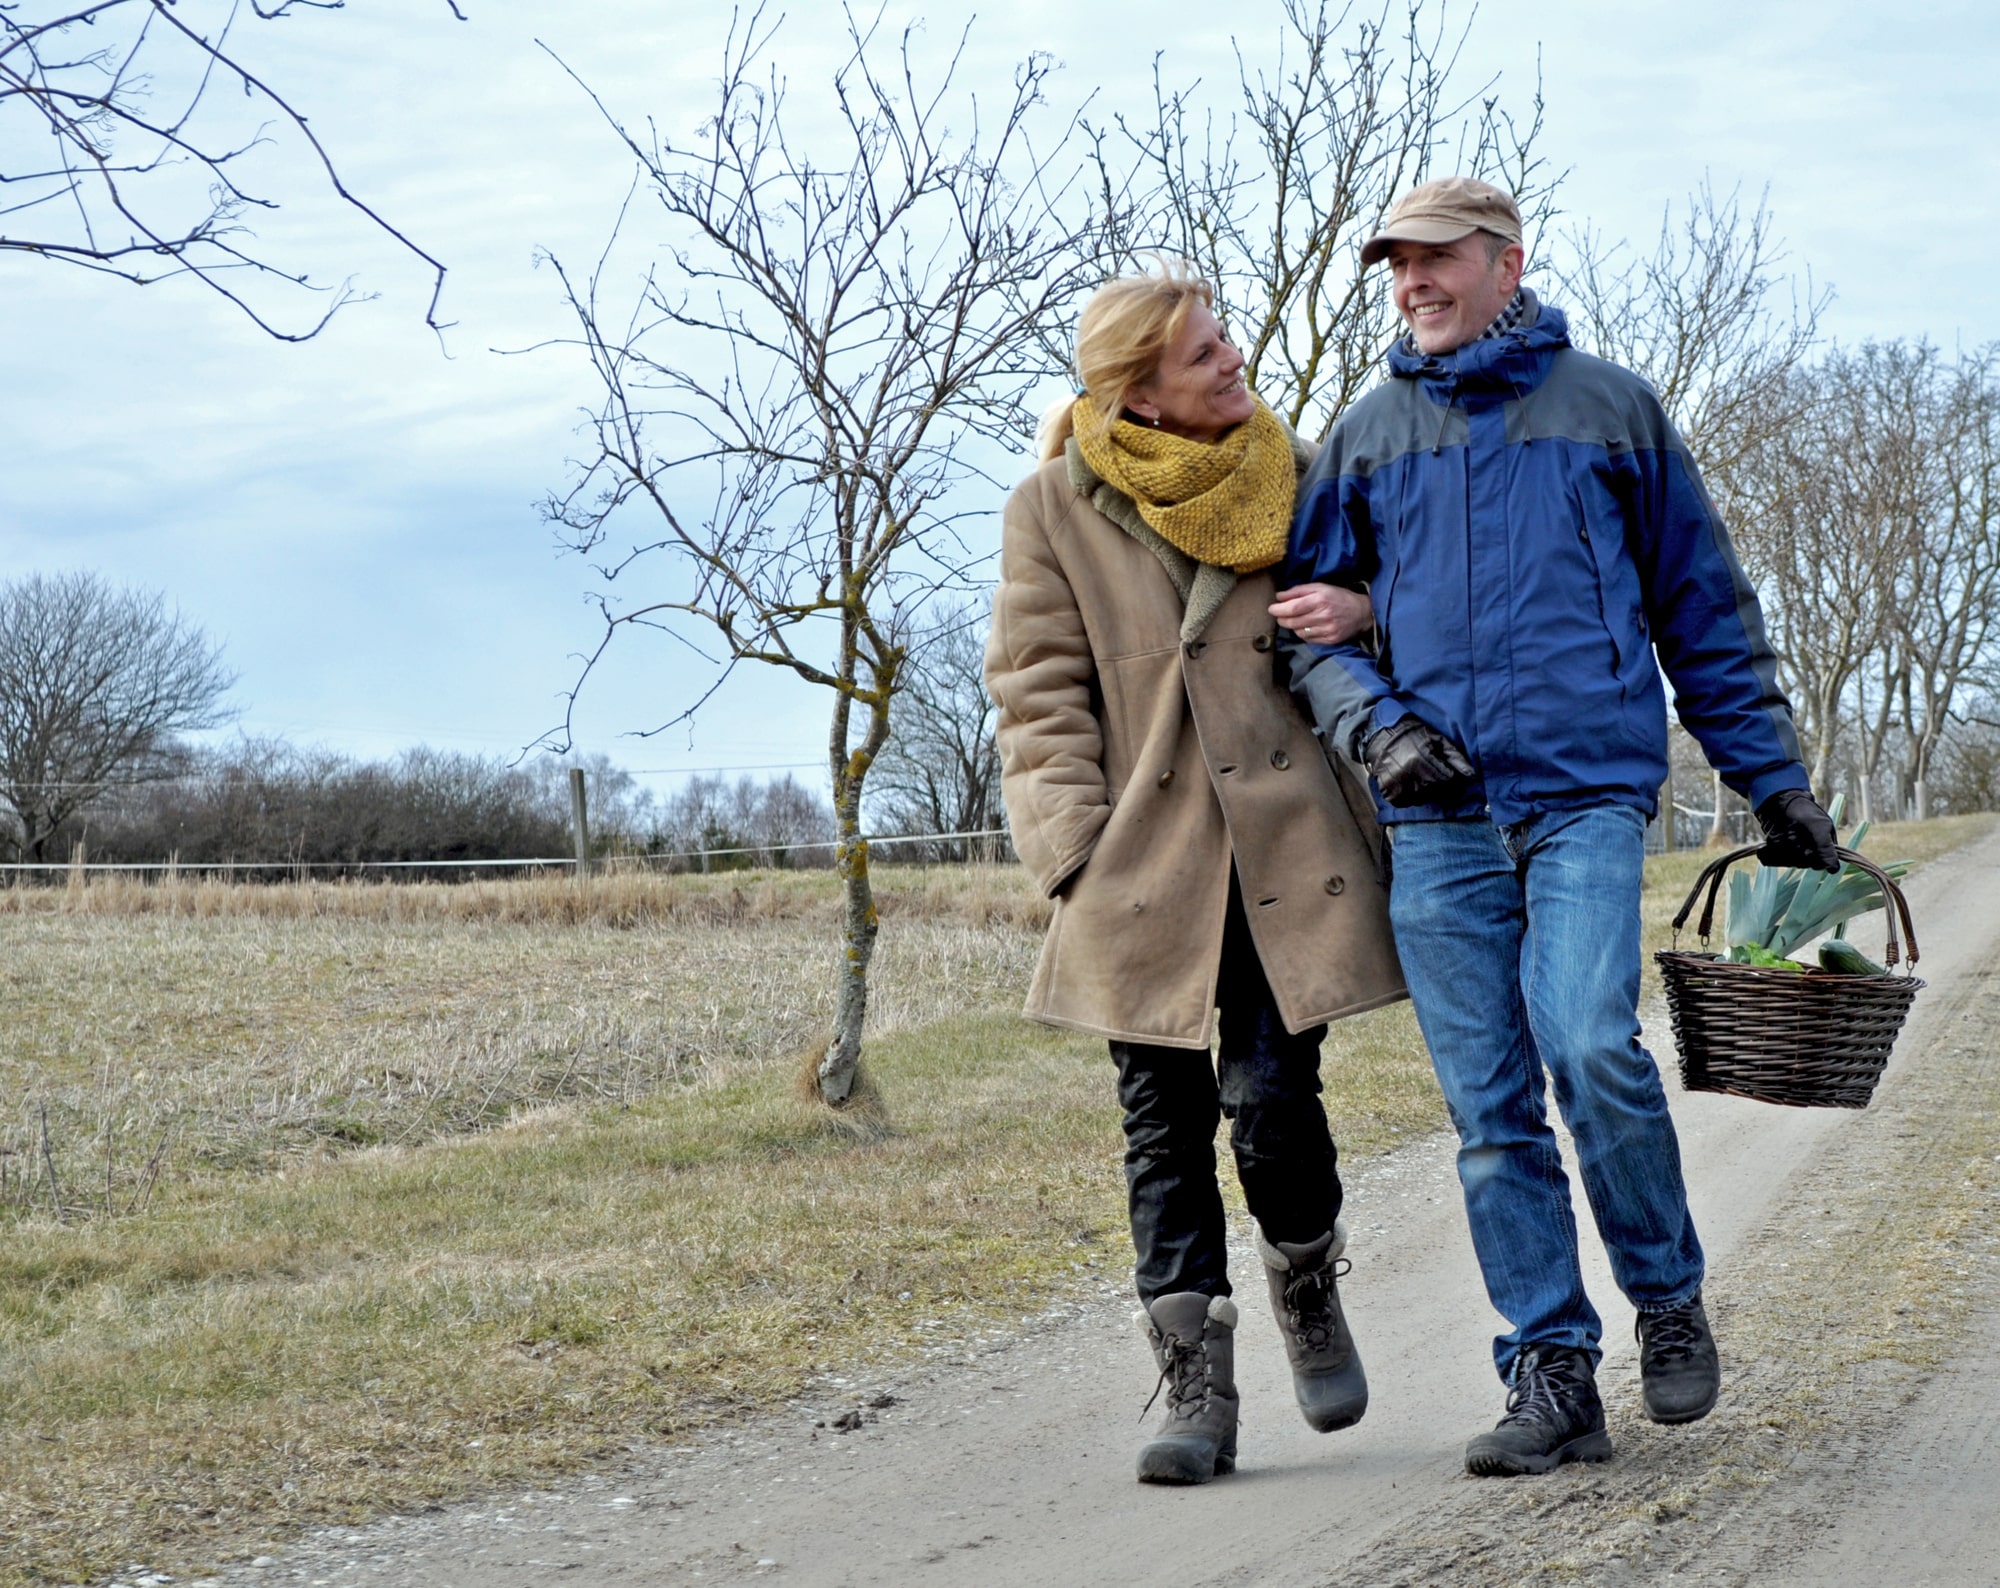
[1521,948]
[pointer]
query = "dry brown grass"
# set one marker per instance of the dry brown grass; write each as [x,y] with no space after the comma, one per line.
[475,1183]
[258,1023]
[988,895]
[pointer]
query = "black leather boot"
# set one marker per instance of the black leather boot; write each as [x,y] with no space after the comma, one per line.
[1553,1416]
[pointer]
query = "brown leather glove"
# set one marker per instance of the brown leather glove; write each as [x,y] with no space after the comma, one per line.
[1413,763]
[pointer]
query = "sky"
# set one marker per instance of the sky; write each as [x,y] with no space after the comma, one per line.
[355,519]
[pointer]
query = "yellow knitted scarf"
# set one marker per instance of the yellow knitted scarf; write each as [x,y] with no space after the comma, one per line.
[1226,502]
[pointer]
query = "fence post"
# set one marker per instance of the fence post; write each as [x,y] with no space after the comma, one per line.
[580,819]
[1669,817]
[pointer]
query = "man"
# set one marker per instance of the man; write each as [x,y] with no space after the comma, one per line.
[1533,532]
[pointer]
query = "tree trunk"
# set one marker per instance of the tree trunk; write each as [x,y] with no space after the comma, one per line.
[1718,828]
[843,1052]
[1822,766]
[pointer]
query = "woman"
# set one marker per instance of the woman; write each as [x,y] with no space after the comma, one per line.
[1171,799]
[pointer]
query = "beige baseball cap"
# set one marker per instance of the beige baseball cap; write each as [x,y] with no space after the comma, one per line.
[1444,211]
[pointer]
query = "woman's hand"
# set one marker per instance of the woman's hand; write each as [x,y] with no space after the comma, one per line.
[1325,614]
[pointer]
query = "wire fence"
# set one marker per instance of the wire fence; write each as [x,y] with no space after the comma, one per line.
[994,843]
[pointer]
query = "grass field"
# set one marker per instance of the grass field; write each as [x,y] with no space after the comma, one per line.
[371,1195]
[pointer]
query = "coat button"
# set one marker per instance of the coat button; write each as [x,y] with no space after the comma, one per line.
[1261,643]
[1166,777]
[1280,760]
[1335,884]
[1196,647]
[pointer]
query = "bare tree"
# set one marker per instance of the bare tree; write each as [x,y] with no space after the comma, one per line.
[1874,531]
[800,406]
[1716,326]
[1710,317]
[940,770]
[623,816]
[140,178]
[1965,772]
[1271,202]
[1876,691]
[1826,502]
[753,823]
[1949,580]
[94,684]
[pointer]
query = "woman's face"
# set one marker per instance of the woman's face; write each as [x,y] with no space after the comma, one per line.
[1198,390]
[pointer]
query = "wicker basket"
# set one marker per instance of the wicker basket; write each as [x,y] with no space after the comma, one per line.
[1812,1039]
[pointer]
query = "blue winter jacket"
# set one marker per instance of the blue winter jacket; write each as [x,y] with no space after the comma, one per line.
[1532,531]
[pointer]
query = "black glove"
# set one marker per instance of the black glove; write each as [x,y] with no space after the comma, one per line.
[1413,762]
[1797,832]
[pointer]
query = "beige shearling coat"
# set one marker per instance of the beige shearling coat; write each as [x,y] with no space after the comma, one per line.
[1136,763]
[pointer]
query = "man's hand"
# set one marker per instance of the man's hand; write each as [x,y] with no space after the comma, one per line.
[1797,832]
[1326,614]
[1412,761]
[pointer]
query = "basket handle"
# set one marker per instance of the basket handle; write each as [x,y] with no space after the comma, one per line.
[1895,908]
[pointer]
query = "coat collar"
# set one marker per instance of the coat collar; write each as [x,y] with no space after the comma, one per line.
[1512,364]
[1203,587]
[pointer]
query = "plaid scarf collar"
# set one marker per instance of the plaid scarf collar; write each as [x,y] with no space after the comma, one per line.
[1509,317]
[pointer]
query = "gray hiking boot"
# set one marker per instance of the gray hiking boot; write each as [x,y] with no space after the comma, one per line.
[1305,1299]
[1553,1416]
[1194,1342]
[1680,1374]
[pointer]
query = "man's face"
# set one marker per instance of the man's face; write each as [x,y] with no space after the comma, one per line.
[1447,293]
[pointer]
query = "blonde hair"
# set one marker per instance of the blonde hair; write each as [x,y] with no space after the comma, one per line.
[1123,332]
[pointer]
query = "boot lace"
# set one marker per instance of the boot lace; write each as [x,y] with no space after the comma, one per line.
[1547,1389]
[1183,1374]
[1672,1336]
[1309,1303]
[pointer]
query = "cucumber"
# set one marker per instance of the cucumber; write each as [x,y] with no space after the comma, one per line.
[1837,954]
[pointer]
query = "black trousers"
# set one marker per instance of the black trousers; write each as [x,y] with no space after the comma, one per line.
[1266,1081]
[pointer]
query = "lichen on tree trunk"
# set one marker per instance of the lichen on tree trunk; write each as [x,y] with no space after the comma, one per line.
[858,929]
[849,765]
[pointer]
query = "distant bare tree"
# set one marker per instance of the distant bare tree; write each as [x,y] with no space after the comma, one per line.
[139,174]
[1710,317]
[1965,773]
[940,770]
[1949,583]
[807,398]
[1874,532]
[751,823]
[1271,202]
[1827,500]
[1712,320]
[95,682]
[623,816]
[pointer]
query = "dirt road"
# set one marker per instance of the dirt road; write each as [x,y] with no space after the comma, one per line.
[1854,1282]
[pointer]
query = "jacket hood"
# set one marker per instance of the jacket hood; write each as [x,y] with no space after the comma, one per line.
[1516,362]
